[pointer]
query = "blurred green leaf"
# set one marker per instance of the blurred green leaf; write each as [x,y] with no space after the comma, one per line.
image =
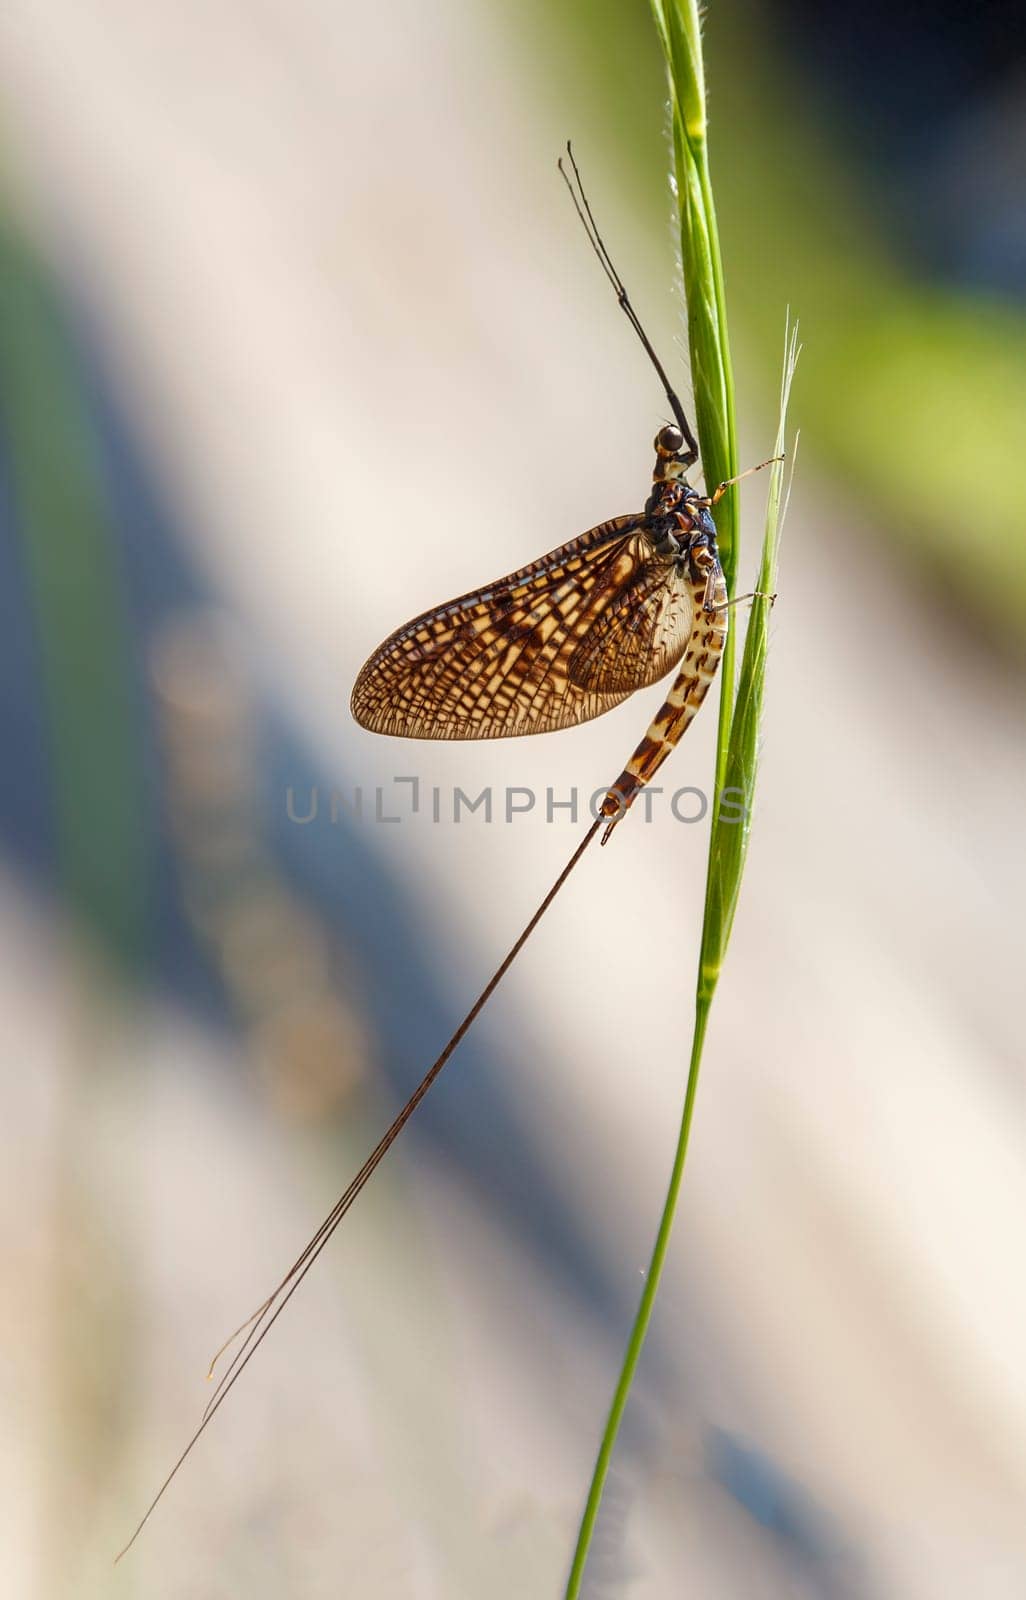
[93,723]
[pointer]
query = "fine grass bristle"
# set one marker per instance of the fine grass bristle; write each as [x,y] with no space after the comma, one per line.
[728,846]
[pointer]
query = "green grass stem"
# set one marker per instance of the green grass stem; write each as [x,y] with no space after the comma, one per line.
[677,22]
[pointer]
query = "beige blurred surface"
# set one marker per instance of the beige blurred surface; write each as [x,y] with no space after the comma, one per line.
[376,364]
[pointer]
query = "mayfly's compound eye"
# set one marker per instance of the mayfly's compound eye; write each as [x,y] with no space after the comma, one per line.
[669,441]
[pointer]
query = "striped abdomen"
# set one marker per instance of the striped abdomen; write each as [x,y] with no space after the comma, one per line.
[697,671]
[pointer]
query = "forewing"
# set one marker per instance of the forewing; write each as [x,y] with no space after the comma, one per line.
[640,634]
[497,661]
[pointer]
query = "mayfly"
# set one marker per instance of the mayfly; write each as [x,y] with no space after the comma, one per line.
[555,644]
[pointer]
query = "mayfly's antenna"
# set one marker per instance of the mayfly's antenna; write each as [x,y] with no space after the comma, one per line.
[584,211]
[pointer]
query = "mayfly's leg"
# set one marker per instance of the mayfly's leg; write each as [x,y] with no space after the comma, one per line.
[728,605]
[721,488]
[689,689]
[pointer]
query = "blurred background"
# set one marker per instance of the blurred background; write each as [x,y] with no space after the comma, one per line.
[298,336]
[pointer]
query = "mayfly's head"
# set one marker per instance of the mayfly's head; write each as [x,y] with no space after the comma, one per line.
[672,457]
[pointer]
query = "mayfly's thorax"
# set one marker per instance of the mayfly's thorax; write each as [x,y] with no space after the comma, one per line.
[678,521]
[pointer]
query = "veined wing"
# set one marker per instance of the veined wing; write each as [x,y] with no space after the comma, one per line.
[501,660]
[640,634]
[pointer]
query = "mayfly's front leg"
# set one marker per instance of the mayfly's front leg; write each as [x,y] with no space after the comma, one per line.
[690,687]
